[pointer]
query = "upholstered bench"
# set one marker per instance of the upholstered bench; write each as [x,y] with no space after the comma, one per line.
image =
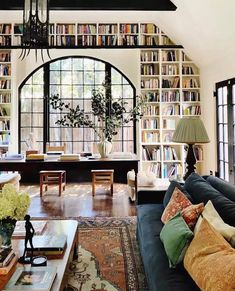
[13,178]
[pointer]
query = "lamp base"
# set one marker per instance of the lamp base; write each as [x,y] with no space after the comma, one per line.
[191,161]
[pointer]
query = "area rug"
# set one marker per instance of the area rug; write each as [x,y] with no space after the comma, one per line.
[109,258]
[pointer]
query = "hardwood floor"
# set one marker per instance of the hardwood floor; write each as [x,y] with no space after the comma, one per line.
[77,200]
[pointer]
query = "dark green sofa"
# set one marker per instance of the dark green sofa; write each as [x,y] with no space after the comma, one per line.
[150,206]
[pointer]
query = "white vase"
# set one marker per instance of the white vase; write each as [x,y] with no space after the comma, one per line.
[104,148]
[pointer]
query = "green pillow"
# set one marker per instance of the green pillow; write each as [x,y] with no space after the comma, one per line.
[176,237]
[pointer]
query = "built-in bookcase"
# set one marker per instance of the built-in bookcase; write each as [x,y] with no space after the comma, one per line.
[171,82]
[5,98]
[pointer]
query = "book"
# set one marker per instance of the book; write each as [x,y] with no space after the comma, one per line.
[6,254]
[38,225]
[6,269]
[49,242]
[32,278]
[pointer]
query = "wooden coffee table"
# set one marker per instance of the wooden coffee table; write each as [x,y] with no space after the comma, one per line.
[68,227]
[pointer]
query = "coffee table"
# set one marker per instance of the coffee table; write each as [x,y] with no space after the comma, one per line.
[68,227]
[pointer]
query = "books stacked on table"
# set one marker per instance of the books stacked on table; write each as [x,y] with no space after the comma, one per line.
[51,246]
[32,278]
[38,225]
[35,157]
[69,157]
[8,259]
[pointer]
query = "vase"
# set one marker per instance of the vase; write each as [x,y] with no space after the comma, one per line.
[7,227]
[104,148]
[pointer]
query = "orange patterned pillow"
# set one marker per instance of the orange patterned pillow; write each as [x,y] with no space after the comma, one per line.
[210,260]
[177,203]
[191,214]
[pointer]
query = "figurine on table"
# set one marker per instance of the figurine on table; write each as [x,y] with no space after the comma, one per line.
[29,233]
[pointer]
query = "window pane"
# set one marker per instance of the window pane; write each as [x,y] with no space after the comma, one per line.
[220,96]
[225,97]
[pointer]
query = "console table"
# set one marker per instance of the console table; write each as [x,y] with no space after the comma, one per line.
[76,171]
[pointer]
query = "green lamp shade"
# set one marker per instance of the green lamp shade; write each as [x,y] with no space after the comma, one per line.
[190,130]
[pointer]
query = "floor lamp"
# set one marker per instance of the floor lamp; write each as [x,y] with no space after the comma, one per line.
[190,130]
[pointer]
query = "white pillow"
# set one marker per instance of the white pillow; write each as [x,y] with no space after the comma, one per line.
[144,179]
[213,217]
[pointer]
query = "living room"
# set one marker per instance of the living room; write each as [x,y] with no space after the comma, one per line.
[199,30]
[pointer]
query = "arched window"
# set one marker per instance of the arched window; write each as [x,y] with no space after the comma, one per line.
[73,78]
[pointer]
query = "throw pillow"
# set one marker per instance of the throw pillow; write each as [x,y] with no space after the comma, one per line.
[191,214]
[177,203]
[212,216]
[176,237]
[170,191]
[210,260]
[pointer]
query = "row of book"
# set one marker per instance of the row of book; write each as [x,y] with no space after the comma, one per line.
[149,69]
[128,40]
[192,110]
[5,70]
[5,98]
[151,154]
[4,138]
[171,83]
[5,57]
[169,70]
[5,28]
[169,153]
[187,70]
[150,136]
[150,123]
[4,125]
[149,56]
[5,84]
[190,83]
[5,40]
[171,110]
[3,111]
[171,96]
[150,83]
[171,171]
[151,110]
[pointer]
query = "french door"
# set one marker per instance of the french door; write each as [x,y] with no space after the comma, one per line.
[225,103]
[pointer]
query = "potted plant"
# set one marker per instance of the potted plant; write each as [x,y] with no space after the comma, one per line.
[13,206]
[109,115]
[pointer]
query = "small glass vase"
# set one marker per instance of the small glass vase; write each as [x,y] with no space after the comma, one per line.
[7,227]
[104,148]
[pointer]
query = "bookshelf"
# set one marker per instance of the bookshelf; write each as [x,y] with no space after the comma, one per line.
[76,34]
[171,81]
[5,99]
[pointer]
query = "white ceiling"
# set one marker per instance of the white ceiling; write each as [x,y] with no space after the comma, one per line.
[206,28]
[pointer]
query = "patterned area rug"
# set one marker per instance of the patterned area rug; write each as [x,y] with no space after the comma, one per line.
[109,258]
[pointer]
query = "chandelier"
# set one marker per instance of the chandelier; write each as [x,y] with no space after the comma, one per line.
[35,27]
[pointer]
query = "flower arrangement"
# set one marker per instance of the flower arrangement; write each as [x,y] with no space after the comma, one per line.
[108,114]
[13,204]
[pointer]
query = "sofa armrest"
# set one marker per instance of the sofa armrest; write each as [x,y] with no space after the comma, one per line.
[150,196]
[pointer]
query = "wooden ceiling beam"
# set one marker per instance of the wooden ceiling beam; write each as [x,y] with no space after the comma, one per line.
[145,5]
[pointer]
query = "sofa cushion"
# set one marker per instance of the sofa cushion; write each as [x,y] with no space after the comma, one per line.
[177,203]
[212,216]
[201,191]
[170,191]
[159,276]
[191,214]
[210,260]
[176,236]
[223,186]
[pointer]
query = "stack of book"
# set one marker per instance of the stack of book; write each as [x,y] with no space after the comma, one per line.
[8,260]
[51,246]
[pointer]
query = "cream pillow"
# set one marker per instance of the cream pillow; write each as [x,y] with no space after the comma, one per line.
[212,216]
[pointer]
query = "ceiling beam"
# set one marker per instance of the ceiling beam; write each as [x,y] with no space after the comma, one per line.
[145,5]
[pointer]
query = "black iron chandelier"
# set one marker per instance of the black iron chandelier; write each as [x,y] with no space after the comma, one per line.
[35,27]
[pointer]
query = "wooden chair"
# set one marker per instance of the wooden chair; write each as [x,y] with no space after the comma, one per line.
[102,177]
[55,148]
[52,177]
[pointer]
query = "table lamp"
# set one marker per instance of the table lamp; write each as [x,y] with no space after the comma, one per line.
[190,130]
